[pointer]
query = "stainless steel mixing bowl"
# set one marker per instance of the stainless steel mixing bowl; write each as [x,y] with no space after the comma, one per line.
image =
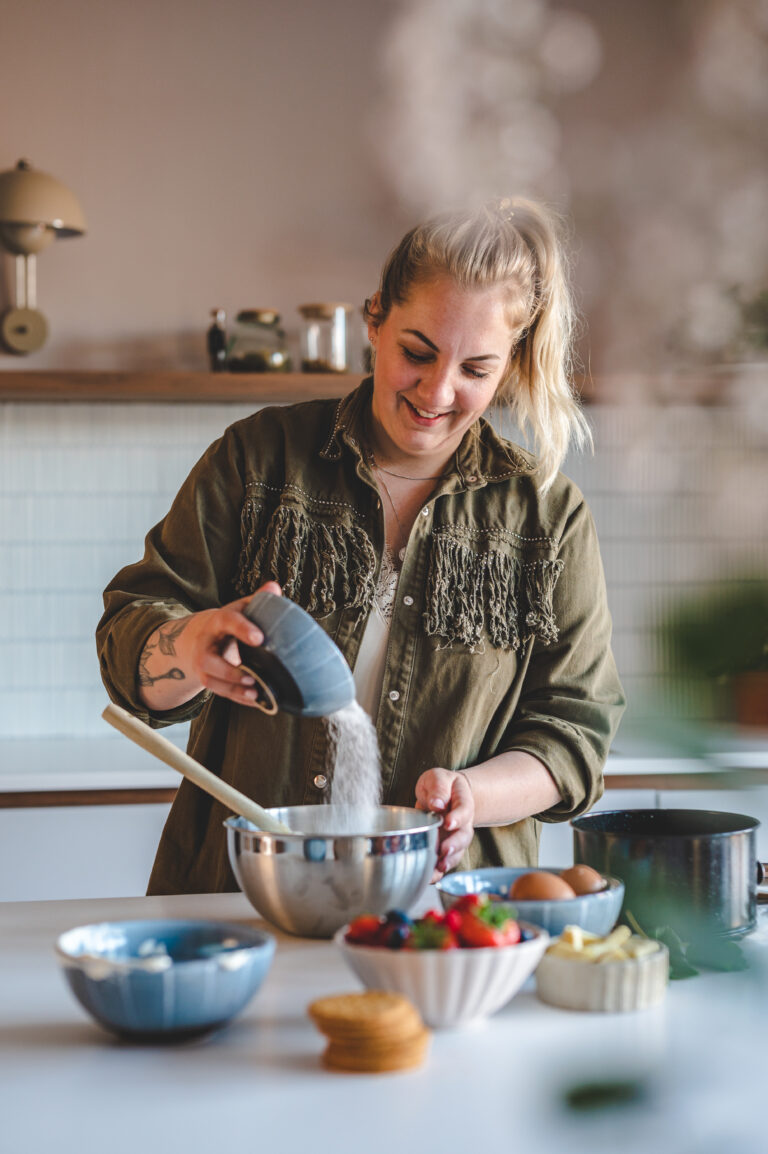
[313,881]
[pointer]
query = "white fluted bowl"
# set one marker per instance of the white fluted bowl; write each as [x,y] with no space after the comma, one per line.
[448,987]
[607,987]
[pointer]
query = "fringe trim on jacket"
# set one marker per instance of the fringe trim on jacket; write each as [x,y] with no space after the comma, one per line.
[471,592]
[322,567]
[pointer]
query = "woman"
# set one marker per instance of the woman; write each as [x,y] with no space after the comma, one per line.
[459,574]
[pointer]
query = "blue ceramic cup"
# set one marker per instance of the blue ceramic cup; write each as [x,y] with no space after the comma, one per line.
[298,669]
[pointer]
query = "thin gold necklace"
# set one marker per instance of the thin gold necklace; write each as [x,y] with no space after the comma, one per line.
[405,476]
[390,472]
[392,503]
[402,476]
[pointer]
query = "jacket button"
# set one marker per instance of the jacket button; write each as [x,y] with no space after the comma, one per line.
[407,600]
[394,695]
[472,480]
[320,781]
[425,511]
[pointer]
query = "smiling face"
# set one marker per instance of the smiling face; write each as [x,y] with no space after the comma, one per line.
[440,356]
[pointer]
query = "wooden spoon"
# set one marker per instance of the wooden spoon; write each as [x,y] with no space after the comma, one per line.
[166,751]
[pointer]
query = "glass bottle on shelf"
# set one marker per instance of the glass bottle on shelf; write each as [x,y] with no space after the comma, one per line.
[217,341]
[258,343]
[324,337]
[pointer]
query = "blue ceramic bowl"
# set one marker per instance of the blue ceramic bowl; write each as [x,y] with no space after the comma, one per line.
[164,980]
[299,668]
[597,913]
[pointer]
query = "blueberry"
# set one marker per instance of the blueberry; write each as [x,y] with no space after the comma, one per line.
[526,935]
[396,937]
[397,918]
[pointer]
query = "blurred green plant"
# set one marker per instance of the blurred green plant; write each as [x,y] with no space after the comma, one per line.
[755,320]
[719,631]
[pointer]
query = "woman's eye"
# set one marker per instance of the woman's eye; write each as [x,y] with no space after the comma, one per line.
[426,358]
[416,358]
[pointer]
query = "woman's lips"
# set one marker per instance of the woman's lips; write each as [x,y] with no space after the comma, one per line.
[423,416]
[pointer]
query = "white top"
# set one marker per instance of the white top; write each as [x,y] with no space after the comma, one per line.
[372,656]
[68,1086]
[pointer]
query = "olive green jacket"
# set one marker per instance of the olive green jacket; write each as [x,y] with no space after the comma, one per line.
[500,638]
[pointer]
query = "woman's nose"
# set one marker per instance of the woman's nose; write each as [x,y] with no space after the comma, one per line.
[436,389]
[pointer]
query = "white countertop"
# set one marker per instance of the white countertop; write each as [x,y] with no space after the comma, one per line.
[68,1086]
[112,762]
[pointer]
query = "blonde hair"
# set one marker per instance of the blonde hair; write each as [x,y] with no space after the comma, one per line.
[514,243]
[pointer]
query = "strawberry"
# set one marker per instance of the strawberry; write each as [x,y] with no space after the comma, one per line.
[476,933]
[469,902]
[486,924]
[453,919]
[513,934]
[364,930]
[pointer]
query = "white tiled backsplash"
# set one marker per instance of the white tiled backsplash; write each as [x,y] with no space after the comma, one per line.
[679,495]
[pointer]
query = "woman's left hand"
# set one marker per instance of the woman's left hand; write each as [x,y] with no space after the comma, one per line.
[444,791]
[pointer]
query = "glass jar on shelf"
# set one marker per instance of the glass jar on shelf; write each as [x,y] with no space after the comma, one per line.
[258,344]
[324,337]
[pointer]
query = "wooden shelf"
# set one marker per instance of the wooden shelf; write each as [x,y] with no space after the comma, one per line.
[706,387]
[174,387]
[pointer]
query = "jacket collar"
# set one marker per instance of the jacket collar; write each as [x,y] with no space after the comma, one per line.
[482,457]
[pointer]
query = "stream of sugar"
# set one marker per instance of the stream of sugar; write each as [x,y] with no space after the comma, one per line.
[356,782]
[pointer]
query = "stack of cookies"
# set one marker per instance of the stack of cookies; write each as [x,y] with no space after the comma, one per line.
[370,1033]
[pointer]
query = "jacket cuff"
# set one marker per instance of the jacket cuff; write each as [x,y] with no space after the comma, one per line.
[136,626]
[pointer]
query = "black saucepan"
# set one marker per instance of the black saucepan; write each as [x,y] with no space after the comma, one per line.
[694,871]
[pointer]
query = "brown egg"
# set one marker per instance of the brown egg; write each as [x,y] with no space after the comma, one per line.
[583,879]
[539,885]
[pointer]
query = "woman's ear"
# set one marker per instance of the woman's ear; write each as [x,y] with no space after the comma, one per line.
[374,309]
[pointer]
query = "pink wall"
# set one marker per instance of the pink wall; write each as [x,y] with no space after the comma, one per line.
[220,152]
[250,153]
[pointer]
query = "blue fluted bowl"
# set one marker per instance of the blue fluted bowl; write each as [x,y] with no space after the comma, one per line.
[164,980]
[299,668]
[597,913]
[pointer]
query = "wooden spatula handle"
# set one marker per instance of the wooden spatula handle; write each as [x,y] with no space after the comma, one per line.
[167,752]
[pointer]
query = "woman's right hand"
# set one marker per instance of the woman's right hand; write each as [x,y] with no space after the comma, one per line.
[189,654]
[448,792]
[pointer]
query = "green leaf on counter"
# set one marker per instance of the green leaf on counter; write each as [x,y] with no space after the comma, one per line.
[679,966]
[684,957]
[717,955]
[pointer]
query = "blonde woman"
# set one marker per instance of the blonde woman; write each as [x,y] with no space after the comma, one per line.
[459,574]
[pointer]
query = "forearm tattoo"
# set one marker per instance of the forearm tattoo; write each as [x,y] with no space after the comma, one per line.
[165,643]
